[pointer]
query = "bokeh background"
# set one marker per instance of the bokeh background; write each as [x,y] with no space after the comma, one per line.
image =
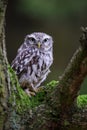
[61,19]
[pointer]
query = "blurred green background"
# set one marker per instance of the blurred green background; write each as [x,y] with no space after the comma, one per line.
[61,19]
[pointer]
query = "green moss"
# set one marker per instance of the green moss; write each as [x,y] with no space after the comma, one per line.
[82,100]
[52,84]
[1,89]
[66,123]
[2,118]
[20,100]
[43,93]
[2,81]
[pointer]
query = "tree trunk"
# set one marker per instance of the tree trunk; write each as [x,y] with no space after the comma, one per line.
[4,77]
[52,108]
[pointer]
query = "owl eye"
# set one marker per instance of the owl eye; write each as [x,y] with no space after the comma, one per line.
[31,39]
[45,40]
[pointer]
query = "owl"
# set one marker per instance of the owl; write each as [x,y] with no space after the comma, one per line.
[33,60]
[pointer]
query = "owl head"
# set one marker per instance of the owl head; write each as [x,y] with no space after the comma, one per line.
[41,41]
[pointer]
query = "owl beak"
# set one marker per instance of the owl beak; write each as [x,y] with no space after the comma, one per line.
[38,44]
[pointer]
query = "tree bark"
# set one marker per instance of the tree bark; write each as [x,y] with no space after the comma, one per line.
[4,77]
[58,110]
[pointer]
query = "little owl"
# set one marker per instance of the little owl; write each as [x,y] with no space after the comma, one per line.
[33,60]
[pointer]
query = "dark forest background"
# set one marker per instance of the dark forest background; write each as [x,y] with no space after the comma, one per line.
[61,19]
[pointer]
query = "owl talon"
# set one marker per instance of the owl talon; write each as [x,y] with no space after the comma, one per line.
[32,93]
[29,93]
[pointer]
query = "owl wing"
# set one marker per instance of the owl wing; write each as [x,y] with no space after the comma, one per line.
[21,62]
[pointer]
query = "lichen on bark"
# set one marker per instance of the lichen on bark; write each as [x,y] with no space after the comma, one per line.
[4,82]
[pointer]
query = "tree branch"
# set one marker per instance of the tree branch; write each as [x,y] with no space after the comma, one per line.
[58,108]
[70,81]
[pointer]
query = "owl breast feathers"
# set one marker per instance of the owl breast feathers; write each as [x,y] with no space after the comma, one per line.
[33,60]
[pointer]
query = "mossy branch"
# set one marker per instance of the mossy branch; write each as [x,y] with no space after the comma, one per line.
[70,82]
[55,104]
[19,100]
